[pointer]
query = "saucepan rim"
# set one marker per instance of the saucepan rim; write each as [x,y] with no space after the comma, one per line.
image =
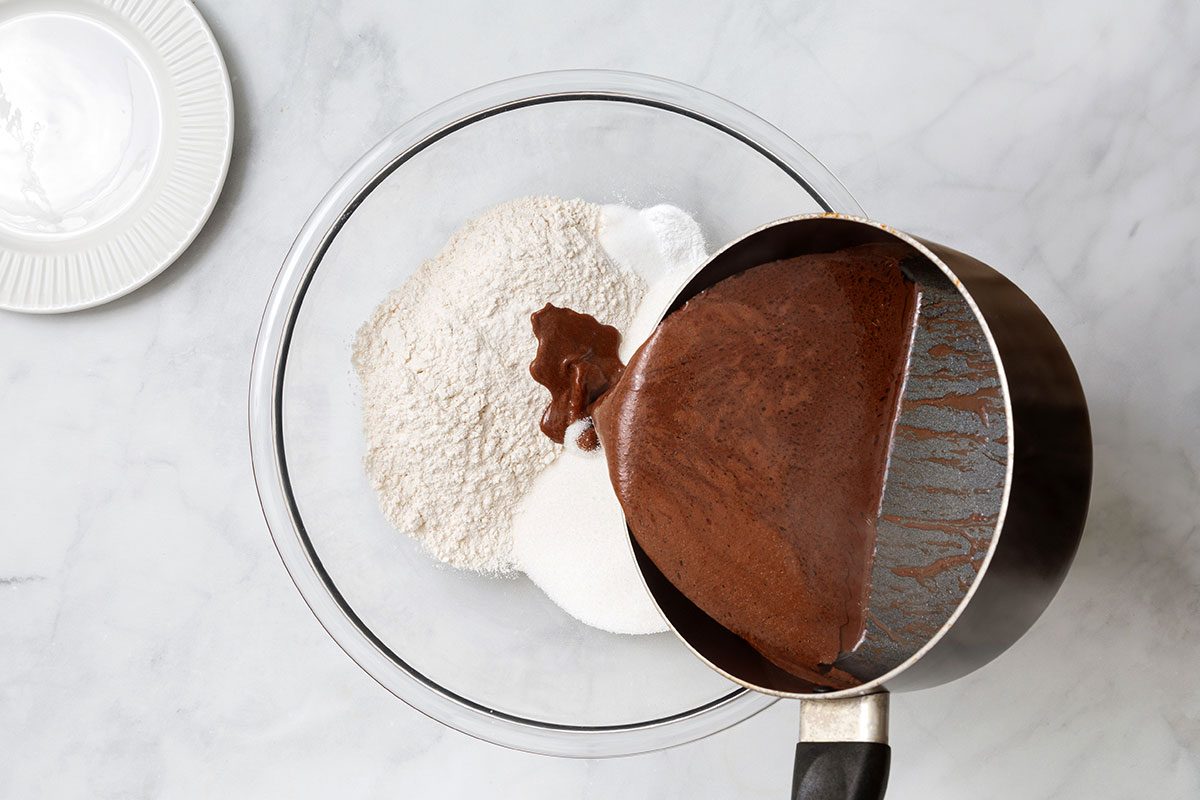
[879,684]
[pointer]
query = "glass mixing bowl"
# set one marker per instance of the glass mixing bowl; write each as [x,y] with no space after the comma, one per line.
[493,658]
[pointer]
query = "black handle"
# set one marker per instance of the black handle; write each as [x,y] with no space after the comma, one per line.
[841,771]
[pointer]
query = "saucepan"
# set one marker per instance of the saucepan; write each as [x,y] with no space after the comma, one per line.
[984,503]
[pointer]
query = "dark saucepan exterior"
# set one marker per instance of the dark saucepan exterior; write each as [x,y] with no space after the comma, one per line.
[959,574]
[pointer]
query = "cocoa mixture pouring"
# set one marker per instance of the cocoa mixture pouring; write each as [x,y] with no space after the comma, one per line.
[578,361]
[748,439]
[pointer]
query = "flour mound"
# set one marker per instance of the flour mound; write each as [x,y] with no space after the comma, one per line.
[450,412]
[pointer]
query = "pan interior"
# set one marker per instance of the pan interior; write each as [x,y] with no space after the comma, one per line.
[946,476]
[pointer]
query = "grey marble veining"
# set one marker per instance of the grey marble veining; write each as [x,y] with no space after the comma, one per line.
[151,644]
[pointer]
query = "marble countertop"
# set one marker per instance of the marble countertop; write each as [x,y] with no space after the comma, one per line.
[151,643]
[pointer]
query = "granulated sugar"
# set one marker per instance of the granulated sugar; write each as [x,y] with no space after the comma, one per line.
[568,532]
[569,538]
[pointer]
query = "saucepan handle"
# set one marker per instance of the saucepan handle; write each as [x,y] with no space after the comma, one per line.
[843,752]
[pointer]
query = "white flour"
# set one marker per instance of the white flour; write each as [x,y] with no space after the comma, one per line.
[450,411]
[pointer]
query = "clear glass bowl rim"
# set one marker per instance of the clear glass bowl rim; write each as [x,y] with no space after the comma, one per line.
[270,360]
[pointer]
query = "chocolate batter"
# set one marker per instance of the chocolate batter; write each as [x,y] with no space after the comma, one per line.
[747,441]
[577,361]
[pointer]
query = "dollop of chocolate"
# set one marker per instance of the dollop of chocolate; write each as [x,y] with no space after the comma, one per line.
[577,360]
[747,441]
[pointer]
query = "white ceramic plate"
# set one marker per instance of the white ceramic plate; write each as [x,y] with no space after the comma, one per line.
[116,125]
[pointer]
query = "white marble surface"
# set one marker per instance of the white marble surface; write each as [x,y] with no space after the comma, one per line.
[151,644]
